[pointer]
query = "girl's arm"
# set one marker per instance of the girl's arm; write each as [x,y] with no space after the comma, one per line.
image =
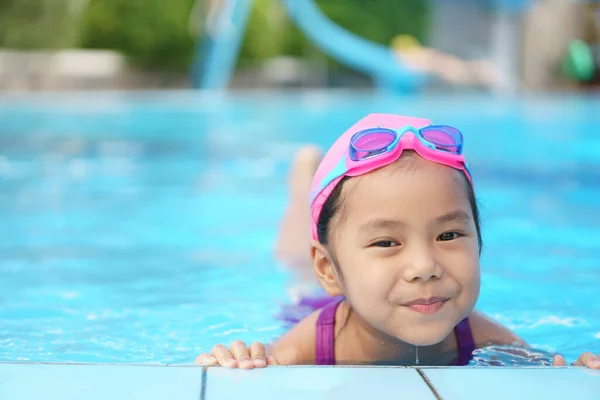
[486,331]
[296,347]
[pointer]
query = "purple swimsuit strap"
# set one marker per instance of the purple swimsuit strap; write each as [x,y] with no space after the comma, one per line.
[464,342]
[325,337]
[325,334]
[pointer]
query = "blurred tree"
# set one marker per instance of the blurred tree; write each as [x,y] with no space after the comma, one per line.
[266,32]
[152,33]
[156,33]
[379,20]
[270,32]
[37,24]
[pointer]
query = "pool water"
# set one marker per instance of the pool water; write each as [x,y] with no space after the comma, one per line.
[140,227]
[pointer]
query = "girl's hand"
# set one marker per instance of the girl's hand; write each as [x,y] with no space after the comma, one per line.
[237,356]
[588,359]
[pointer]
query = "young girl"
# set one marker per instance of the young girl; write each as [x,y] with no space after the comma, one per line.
[396,243]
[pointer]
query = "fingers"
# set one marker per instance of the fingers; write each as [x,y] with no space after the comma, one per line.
[240,352]
[272,361]
[559,361]
[238,355]
[257,353]
[588,360]
[219,355]
[205,359]
[224,357]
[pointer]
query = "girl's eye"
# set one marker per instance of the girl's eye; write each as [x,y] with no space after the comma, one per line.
[448,236]
[385,243]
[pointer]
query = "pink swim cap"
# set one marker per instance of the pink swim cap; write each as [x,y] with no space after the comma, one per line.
[337,163]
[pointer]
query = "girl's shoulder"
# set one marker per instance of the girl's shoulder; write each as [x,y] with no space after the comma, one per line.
[487,331]
[297,346]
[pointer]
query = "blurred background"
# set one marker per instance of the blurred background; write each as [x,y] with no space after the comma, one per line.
[502,45]
[145,149]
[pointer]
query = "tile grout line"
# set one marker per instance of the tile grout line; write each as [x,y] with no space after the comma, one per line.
[203,382]
[429,384]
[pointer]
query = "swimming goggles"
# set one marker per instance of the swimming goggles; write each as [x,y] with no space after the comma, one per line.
[374,148]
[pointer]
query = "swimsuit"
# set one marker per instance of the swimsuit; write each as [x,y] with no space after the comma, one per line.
[325,337]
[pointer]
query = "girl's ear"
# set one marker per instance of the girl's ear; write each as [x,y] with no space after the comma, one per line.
[325,269]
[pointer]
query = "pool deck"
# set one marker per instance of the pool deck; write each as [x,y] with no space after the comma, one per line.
[120,381]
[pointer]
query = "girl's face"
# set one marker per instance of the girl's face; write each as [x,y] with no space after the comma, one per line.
[405,243]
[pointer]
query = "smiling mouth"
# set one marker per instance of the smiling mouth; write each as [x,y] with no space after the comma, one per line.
[427,306]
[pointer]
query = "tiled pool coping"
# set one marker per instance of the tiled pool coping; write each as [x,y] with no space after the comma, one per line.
[125,381]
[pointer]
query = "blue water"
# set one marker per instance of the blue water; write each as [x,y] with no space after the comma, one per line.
[140,228]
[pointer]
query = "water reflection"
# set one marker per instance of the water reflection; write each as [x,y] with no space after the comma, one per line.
[510,356]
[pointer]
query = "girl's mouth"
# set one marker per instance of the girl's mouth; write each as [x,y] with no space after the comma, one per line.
[427,306]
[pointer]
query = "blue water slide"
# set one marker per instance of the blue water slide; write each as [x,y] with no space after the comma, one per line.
[220,53]
[500,5]
[217,53]
[375,60]
[513,6]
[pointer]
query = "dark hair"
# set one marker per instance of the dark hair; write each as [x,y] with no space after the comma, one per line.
[334,202]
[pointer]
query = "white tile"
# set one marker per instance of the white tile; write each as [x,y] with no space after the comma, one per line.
[331,383]
[514,383]
[98,382]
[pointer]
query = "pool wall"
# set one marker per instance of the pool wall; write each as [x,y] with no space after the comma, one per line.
[113,381]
